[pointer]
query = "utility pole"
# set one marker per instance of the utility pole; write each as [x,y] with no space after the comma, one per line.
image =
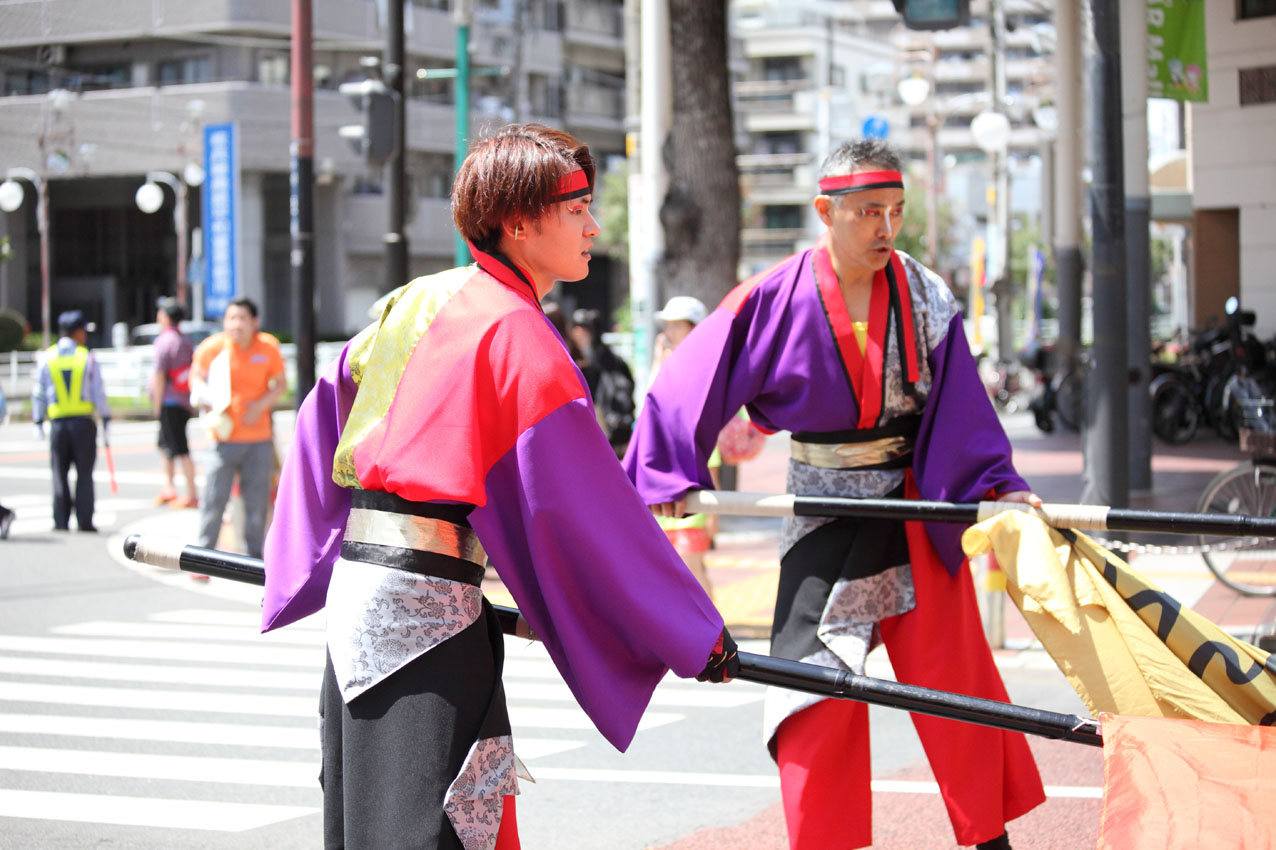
[301,182]
[657,97]
[1001,260]
[1138,211]
[462,16]
[1107,436]
[392,67]
[1068,163]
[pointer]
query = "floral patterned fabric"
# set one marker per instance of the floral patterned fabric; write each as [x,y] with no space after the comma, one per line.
[380,619]
[474,802]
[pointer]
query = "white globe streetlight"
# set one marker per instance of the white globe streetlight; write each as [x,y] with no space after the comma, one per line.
[991,131]
[193,174]
[11,195]
[149,198]
[914,90]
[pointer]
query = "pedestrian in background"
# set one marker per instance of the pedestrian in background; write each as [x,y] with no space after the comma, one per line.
[611,384]
[236,378]
[859,352]
[170,392]
[68,391]
[692,536]
[6,514]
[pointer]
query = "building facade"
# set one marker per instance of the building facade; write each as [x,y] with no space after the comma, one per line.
[94,94]
[1233,155]
[817,72]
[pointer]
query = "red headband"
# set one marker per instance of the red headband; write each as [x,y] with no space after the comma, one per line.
[574,185]
[861,181]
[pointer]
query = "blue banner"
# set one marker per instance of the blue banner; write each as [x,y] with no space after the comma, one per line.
[221,218]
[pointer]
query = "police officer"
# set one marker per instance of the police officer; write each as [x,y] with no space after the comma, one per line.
[68,390]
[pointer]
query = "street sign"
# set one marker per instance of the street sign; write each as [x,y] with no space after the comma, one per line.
[875,127]
[221,217]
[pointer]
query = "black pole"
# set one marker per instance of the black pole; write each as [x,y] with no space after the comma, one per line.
[762,669]
[301,197]
[1107,420]
[392,69]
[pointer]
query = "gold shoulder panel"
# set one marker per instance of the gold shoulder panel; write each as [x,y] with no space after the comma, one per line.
[380,353]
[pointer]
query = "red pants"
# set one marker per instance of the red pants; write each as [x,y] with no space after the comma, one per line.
[986,776]
[507,837]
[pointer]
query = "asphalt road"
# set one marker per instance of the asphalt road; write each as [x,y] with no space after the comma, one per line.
[141,709]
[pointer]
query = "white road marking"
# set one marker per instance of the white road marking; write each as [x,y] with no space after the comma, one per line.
[177,731]
[144,811]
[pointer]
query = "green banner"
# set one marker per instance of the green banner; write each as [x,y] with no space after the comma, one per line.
[1176,50]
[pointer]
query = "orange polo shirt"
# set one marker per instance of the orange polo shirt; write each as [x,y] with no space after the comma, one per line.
[251,371]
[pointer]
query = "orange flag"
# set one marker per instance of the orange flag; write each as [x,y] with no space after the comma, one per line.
[1174,784]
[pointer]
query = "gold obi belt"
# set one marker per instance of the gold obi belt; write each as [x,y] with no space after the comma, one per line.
[887,447]
[426,538]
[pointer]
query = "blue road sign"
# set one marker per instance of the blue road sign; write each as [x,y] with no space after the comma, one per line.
[221,217]
[875,127]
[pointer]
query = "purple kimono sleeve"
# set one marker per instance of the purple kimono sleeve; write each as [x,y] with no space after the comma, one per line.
[310,509]
[591,570]
[962,452]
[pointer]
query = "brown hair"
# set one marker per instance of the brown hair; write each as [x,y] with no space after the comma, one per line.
[513,173]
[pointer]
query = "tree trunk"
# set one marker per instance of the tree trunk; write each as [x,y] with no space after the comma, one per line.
[701,212]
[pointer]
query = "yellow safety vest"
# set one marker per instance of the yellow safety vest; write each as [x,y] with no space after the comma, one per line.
[67,374]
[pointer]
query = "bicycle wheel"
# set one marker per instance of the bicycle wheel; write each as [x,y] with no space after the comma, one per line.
[1070,401]
[1247,564]
[1174,413]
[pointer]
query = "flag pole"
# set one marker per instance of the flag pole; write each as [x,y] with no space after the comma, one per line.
[1081,517]
[762,669]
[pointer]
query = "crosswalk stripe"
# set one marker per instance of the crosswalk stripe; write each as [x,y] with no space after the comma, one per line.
[193,702]
[169,675]
[201,769]
[219,654]
[145,811]
[173,731]
[202,634]
[218,734]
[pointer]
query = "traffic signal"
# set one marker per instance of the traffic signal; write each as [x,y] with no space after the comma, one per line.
[376,138]
[934,14]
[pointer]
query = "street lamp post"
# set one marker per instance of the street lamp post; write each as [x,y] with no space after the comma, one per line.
[11,197]
[915,91]
[150,197]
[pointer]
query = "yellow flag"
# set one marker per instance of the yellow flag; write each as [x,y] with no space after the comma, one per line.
[1125,645]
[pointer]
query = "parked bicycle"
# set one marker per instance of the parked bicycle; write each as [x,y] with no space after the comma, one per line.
[1246,564]
[1062,394]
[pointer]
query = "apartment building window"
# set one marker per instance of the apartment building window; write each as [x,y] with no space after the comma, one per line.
[1255,9]
[25,82]
[102,77]
[778,143]
[272,68]
[782,68]
[782,217]
[193,69]
[432,174]
[544,94]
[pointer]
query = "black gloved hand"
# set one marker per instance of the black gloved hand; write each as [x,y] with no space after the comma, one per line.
[724,661]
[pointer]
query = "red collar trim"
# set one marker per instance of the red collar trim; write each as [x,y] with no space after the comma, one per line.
[861,181]
[506,272]
[571,186]
[865,370]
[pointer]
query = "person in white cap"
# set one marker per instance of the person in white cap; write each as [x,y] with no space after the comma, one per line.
[692,535]
[680,315]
